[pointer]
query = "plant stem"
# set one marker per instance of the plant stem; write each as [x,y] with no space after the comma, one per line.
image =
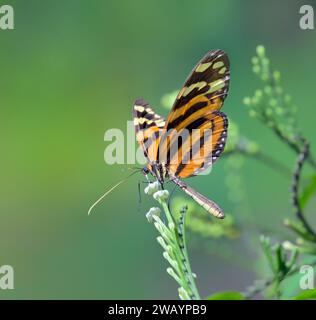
[262,157]
[181,254]
[293,146]
[183,247]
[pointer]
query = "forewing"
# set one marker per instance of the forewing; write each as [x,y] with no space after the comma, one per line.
[197,109]
[204,90]
[147,127]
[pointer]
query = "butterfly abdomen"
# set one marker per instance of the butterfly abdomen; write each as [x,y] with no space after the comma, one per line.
[209,205]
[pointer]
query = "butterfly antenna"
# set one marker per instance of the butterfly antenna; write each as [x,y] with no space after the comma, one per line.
[135,168]
[110,190]
[171,194]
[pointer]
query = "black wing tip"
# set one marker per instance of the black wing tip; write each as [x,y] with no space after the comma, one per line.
[140,102]
[215,54]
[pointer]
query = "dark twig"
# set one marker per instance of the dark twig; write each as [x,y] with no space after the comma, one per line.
[258,287]
[295,189]
[262,157]
[294,146]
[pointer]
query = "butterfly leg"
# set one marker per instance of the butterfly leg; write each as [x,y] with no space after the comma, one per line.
[139,197]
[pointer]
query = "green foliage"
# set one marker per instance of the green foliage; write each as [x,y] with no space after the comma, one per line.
[281,259]
[229,295]
[308,191]
[299,229]
[203,224]
[208,227]
[270,104]
[306,295]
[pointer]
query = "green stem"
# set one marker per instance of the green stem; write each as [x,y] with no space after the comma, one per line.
[186,256]
[181,255]
[264,284]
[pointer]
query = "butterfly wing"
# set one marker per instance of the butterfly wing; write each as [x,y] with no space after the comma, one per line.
[204,148]
[147,125]
[196,109]
[204,90]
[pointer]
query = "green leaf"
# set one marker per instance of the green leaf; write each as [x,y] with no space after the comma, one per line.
[308,191]
[229,295]
[306,295]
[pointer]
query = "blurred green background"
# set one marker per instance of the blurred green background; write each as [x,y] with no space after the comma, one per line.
[71,70]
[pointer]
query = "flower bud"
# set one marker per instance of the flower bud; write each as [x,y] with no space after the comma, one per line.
[161,195]
[287,245]
[261,51]
[152,188]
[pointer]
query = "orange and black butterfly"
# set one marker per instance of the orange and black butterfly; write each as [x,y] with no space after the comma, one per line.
[196,112]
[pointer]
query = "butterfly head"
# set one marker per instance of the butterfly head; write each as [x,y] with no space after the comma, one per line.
[157,170]
[145,171]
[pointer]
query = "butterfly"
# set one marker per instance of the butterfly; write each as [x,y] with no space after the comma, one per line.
[196,111]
